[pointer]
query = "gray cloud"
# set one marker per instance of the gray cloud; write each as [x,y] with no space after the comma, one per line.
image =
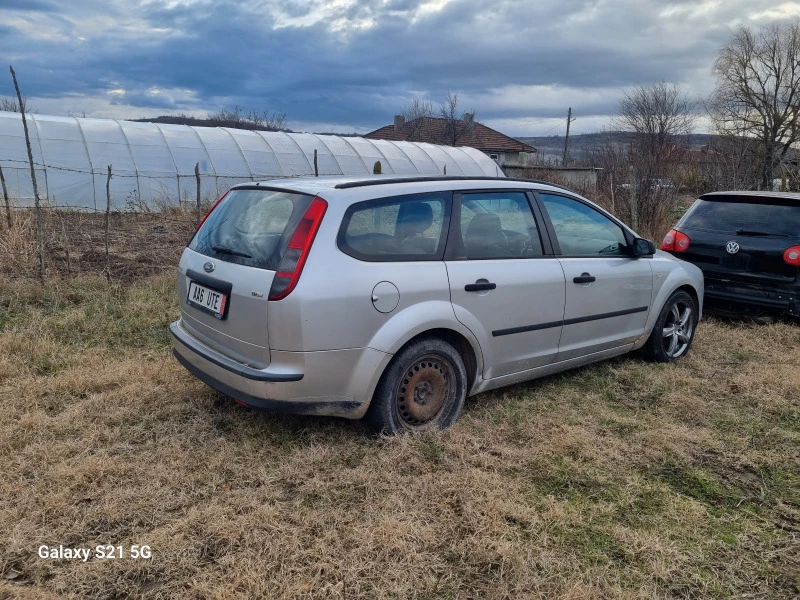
[353,66]
[29,5]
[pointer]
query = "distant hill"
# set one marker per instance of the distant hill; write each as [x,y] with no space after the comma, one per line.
[211,122]
[215,122]
[551,148]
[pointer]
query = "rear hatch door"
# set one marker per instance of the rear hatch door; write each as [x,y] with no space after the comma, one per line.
[742,238]
[228,268]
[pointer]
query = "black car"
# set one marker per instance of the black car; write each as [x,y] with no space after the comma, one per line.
[748,247]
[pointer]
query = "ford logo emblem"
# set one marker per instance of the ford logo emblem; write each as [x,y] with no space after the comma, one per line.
[208,267]
[731,247]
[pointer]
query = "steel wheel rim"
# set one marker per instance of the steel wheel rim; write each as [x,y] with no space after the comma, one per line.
[425,389]
[678,329]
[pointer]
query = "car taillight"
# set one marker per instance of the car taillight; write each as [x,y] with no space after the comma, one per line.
[291,265]
[675,241]
[792,256]
[210,210]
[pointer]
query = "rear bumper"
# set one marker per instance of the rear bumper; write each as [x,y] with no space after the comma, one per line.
[230,365]
[739,299]
[334,383]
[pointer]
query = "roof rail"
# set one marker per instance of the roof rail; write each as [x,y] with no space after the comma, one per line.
[422,178]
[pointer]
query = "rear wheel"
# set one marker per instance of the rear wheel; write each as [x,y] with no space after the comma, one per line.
[422,388]
[673,332]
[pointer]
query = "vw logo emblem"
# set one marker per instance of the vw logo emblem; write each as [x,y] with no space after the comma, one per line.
[209,266]
[731,247]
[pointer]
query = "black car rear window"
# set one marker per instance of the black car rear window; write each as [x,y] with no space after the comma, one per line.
[251,227]
[732,215]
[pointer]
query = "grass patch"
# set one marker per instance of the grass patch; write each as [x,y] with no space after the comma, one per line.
[701,485]
[620,480]
[90,312]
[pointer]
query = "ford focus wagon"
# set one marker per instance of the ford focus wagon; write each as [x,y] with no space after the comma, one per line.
[394,299]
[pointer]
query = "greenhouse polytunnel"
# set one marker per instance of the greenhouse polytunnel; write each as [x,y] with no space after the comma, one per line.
[153,165]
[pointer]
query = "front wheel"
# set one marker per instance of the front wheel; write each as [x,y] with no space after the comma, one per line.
[424,387]
[673,332]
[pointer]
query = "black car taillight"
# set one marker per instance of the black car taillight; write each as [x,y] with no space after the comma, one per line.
[675,241]
[791,256]
[210,210]
[291,265]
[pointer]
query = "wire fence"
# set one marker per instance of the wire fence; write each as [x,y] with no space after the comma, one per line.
[121,246]
[120,240]
[129,191]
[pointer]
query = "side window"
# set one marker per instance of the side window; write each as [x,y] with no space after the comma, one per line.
[398,228]
[498,225]
[583,231]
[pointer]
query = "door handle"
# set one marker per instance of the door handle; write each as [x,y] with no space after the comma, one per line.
[479,287]
[584,278]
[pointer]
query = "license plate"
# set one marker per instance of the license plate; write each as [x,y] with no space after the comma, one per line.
[738,261]
[207,300]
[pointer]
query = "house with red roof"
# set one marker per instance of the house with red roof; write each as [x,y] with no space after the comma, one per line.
[512,155]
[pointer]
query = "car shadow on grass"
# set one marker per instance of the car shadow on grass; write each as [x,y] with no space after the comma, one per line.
[233,421]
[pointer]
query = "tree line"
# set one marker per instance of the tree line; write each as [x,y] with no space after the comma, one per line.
[753,111]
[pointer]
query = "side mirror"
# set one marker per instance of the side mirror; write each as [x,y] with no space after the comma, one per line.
[643,247]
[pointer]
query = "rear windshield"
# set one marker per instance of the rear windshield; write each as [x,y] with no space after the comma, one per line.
[730,216]
[251,227]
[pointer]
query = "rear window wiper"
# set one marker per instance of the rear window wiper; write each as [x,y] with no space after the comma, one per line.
[231,251]
[764,233]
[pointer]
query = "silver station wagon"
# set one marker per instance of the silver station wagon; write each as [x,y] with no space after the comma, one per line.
[394,299]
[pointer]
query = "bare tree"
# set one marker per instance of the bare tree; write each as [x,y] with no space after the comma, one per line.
[657,114]
[240,118]
[456,124]
[12,104]
[415,115]
[730,162]
[757,91]
[656,117]
[419,115]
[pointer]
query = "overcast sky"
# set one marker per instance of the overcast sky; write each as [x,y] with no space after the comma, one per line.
[350,65]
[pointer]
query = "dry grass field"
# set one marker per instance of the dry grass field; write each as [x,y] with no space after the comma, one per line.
[620,480]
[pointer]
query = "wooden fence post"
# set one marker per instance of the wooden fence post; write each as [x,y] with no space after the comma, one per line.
[613,206]
[634,201]
[39,234]
[5,196]
[108,217]
[316,168]
[197,177]
[64,239]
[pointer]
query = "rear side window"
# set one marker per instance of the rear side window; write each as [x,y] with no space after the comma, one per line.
[400,228]
[251,227]
[730,216]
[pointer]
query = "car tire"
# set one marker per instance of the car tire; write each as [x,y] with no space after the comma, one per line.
[422,388]
[673,333]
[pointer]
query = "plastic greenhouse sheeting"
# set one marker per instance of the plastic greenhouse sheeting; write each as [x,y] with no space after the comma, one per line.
[153,164]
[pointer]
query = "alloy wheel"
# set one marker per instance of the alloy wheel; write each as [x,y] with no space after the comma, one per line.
[678,329]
